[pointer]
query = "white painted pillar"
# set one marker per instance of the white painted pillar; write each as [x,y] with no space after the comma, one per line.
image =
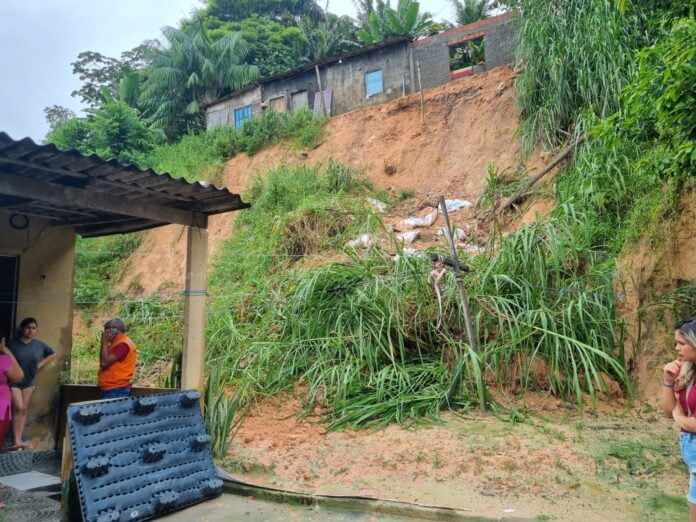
[192,376]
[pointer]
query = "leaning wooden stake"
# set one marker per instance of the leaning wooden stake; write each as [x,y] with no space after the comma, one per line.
[420,88]
[470,331]
[543,173]
[322,104]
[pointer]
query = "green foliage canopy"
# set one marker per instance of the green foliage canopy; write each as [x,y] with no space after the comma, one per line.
[190,71]
[405,20]
[115,131]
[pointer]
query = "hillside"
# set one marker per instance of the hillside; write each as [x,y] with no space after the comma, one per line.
[469,123]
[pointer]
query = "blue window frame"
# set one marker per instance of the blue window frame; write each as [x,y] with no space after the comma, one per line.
[241,115]
[373,83]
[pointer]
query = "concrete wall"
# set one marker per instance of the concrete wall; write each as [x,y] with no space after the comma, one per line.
[222,113]
[45,291]
[432,53]
[347,79]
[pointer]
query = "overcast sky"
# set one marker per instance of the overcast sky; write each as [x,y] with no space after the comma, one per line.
[39,39]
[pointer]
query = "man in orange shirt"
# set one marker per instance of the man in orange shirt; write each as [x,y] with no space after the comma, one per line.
[117,360]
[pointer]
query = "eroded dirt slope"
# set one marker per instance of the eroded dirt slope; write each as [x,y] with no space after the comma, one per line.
[468,124]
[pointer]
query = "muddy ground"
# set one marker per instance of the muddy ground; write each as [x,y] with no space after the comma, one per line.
[555,464]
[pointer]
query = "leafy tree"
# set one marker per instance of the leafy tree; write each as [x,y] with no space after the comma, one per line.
[115,131]
[405,20]
[97,71]
[190,71]
[56,115]
[470,11]
[331,36]
[238,10]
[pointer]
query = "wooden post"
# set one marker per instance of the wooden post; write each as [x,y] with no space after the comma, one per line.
[470,331]
[543,173]
[321,91]
[420,88]
[192,376]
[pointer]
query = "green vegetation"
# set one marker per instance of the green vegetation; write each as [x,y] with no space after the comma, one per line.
[98,265]
[115,131]
[190,71]
[470,11]
[382,22]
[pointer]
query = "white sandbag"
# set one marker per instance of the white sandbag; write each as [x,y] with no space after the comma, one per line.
[473,250]
[455,204]
[378,205]
[363,241]
[459,233]
[408,237]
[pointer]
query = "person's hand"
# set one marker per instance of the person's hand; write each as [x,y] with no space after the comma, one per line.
[671,370]
[106,336]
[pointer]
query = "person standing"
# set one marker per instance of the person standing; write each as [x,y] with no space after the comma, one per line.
[32,355]
[117,359]
[10,371]
[679,399]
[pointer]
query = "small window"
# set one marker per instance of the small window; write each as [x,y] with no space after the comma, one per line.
[241,115]
[373,83]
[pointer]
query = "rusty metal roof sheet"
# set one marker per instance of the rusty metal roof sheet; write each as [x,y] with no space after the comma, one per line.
[100,197]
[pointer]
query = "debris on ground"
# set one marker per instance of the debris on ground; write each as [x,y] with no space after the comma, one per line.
[362,241]
[378,205]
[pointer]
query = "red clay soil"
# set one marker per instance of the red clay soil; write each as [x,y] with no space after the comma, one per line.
[478,463]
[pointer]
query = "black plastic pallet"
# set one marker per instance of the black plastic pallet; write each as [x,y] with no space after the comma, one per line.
[137,458]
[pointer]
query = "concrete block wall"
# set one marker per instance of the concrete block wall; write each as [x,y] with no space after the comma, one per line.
[347,79]
[500,43]
[433,52]
[222,112]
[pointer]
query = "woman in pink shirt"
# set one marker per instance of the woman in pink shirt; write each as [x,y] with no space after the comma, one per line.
[679,399]
[10,371]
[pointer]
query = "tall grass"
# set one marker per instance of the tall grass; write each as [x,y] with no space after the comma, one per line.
[576,55]
[360,336]
[201,156]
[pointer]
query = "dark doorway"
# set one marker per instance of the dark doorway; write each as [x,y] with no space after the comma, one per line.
[9,270]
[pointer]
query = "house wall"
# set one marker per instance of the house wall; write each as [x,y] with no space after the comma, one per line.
[222,113]
[399,64]
[45,291]
[347,79]
[432,53]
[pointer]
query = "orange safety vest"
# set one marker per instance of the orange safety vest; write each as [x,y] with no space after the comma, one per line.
[120,373]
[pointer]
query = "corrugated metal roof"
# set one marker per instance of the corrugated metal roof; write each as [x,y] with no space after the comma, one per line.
[100,197]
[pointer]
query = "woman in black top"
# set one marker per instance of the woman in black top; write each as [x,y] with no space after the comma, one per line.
[32,355]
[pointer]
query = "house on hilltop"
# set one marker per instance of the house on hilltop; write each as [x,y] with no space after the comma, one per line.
[374,74]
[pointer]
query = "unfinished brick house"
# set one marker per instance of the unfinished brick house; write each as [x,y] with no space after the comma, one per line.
[374,74]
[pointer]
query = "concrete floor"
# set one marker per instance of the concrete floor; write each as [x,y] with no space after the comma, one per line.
[234,507]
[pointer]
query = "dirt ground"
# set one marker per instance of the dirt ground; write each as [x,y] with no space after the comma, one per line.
[555,464]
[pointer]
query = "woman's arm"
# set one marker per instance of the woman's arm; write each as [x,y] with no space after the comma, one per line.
[671,370]
[684,422]
[15,373]
[43,362]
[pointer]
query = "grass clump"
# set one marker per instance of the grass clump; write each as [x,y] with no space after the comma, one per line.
[201,156]
[98,265]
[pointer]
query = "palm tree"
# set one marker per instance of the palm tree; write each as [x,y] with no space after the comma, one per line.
[470,11]
[331,36]
[189,72]
[405,20]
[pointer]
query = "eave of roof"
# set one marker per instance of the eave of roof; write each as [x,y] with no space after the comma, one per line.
[308,67]
[97,196]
